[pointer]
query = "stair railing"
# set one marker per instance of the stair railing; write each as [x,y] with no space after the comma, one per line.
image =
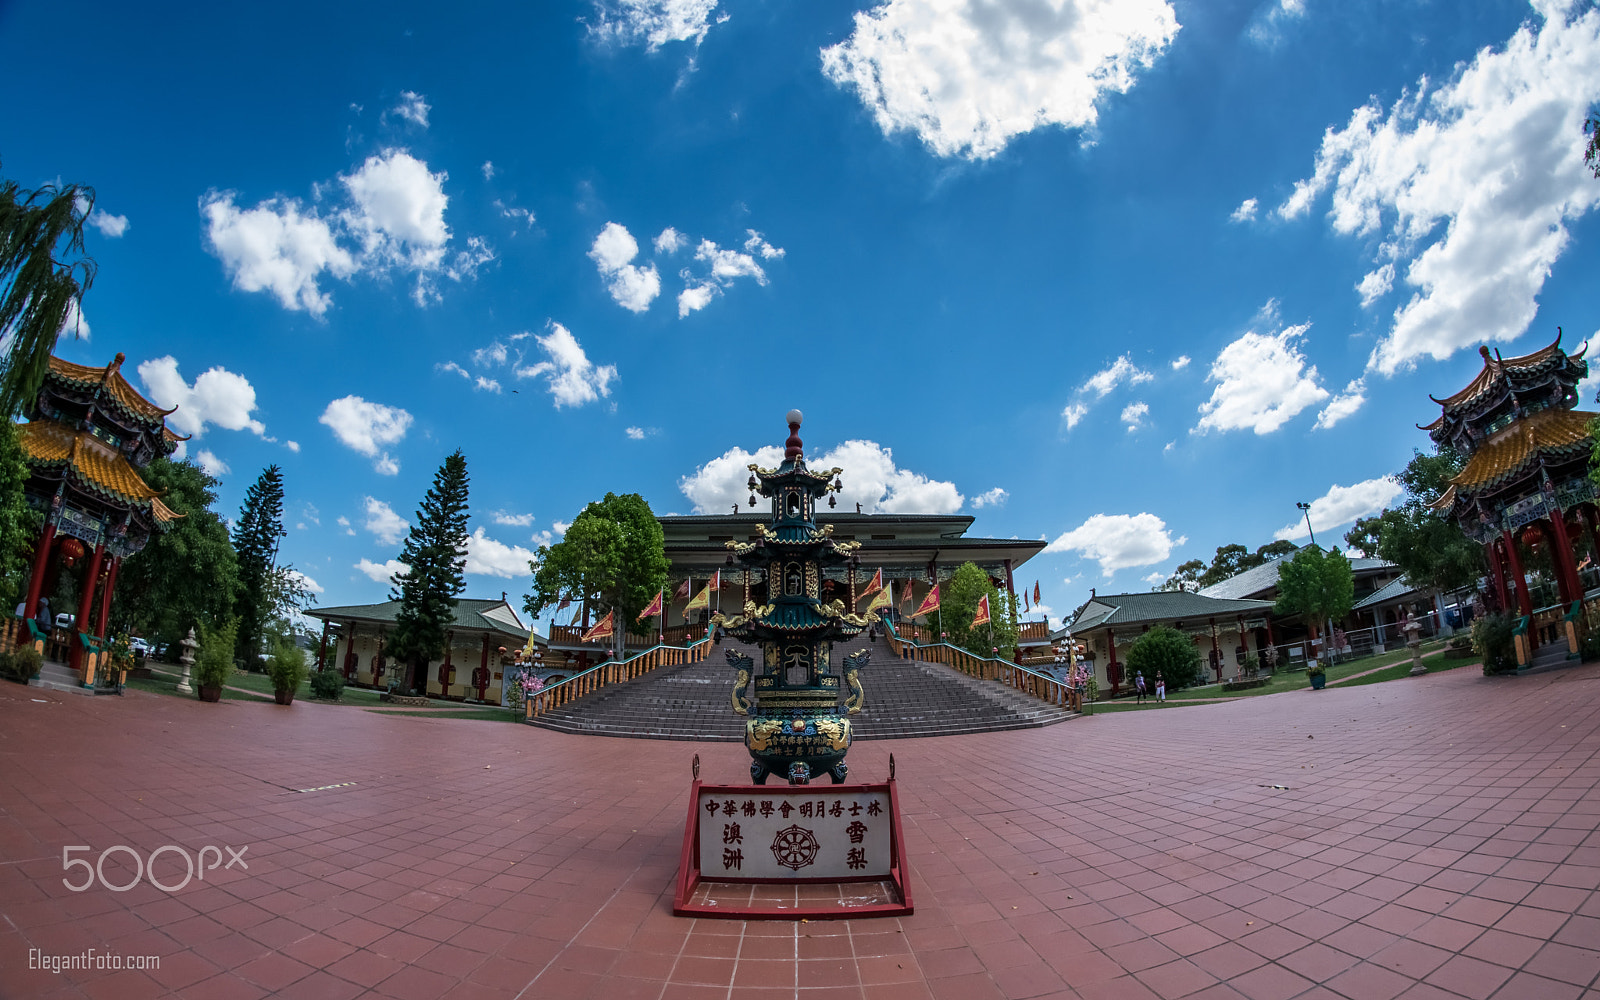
[609,673]
[1033,683]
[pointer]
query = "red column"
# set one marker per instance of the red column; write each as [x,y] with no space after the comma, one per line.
[1497,575]
[1566,566]
[41,560]
[1113,668]
[485,663]
[86,602]
[1524,603]
[322,647]
[105,598]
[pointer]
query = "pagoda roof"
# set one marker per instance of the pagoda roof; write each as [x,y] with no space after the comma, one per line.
[94,466]
[468,614]
[1495,370]
[115,386]
[1545,433]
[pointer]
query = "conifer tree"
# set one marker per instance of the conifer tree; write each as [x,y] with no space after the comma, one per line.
[255,540]
[436,556]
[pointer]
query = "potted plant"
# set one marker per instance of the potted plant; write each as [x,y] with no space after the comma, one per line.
[214,664]
[1316,675]
[287,669]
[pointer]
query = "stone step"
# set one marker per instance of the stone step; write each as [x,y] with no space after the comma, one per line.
[59,677]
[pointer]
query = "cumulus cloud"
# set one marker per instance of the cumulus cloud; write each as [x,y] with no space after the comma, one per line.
[210,464]
[488,170]
[968,77]
[670,241]
[635,433]
[1134,413]
[109,225]
[990,498]
[515,520]
[344,522]
[382,572]
[306,581]
[1475,183]
[1121,370]
[1074,412]
[633,287]
[413,107]
[572,378]
[487,557]
[1118,541]
[653,23]
[368,428]
[1343,504]
[1375,284]
[1262,382]
[1246,211]
[1180,362]
[1342,405]
[696,297]
[276,247]
[757,244]
[218,397]
[387,526]
[870,478]
[1267,26]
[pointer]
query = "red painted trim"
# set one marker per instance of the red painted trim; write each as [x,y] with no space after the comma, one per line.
[41,561]
[689,859]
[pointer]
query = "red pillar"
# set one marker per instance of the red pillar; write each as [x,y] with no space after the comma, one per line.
[1113,668]
[41,561]
[86,602]
[1566,566]
[1497,575]
[1216,651]
[485,663]
[1587,511]
[1524,603]
[322,647]
[105,598]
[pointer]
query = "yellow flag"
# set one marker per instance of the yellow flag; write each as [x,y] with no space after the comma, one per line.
[700,600]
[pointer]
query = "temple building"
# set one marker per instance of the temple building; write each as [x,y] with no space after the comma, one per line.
[1225,631]
[471,667]
[88,434]
[1525,489]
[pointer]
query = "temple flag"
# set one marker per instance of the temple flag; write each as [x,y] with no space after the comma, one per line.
[873,587]
[716,580]
[601,630]
[1036,593]
[882,602]
[654,608]
[905,592]
[701,600]
[982,617]
[1024,601]
[929,604]
[566,602]
[682,593]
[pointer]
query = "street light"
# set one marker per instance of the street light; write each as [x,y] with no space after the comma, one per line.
[1307,508]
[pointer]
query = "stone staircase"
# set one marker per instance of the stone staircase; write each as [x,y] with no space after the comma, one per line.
[60,677]
[1550,656]
[904,698]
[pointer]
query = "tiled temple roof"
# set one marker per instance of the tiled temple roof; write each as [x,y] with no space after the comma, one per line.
[116,387]
[1556,433]
[93,465]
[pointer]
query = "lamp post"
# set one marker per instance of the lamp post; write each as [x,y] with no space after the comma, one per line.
[1307,508]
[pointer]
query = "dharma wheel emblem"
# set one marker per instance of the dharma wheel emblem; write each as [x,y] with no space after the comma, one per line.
[795,847]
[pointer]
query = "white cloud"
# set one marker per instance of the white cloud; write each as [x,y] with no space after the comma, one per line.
[1246,211]
[72,322]
[1180,362]
[653,22]
[306,581]
[1343,504]
[1154,578]
[387,526]
[486,384]
[210,464]
[1121,370]
[1118,541]
[488,170]
[1342,405]
[1074,412]
[1267,26]
[635,433]
[1134,413]
[990,498]
[412,107]
[515,520]
[573,379]
[696,297]
[1476,183]
[487,557]
[293,446]
[368,428]
[967,77]
[670,241]
[397,214]
[757,244]
[1262,382]
[633,287]
[495,354]
[109,225]
[726,265]
[560,527]
[870,478]
[1375,284]
[218,397]
[275,247]
[344,522]
[381,572]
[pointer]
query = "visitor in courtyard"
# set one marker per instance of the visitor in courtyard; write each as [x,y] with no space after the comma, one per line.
[45,620]
[1138,687]
[1161,687]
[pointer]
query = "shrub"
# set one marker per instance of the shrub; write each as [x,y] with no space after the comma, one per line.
[327,684]
[286,666]
[1590,648]
[25,662]
[1491,639]
[213,665]
[1166,651]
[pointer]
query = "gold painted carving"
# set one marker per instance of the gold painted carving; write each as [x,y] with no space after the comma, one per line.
[741,703]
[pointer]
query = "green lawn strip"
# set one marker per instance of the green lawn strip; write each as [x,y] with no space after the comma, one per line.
[1289,680]
[1132,706]
[479,714]
[157,685]
[1400,670]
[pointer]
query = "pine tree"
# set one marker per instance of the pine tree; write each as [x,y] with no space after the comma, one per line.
[436,556]
[255,540]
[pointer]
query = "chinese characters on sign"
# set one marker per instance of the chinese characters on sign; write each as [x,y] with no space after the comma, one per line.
[799,834]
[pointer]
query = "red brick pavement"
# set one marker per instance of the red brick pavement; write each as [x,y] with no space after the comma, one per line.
[1437,838]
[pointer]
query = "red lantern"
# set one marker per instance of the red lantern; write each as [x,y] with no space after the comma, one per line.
[71,551]
[1532,536]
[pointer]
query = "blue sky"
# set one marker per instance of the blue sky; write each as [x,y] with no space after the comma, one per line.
[1133,277]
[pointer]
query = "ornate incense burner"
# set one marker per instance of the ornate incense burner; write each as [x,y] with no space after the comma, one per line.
[796,728]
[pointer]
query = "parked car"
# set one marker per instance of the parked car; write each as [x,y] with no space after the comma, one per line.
[66,621]
[138,646]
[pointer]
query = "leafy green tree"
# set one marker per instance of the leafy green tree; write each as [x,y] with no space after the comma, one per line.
[1316,584]
[19,523]
[1186,576]
[958,600]
[1591,151]
[1229,561]
[614,554]
[186,575]
[44,274]
[1430,550]
[435,553]
[1166,651]
[255,540]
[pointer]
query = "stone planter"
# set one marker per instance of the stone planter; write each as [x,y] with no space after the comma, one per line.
[1318,681]
[210,692]
[284,697]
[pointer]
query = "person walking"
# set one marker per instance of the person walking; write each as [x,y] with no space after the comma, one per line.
[1138,686]
[1161,687]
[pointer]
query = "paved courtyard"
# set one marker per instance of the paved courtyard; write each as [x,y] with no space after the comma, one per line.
[1424,838]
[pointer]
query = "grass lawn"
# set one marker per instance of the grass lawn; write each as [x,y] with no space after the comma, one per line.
[1400,670]
[483,715]
[169,685]
[261,685]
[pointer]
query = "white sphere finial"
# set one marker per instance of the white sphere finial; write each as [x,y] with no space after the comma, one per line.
[794,417]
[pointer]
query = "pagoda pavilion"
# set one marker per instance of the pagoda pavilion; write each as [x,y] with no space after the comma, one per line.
[1526,477]
[88,434]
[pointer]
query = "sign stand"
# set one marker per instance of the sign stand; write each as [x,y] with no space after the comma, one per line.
[792,852]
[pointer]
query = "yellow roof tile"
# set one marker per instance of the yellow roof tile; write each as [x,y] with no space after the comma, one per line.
[1542,432]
